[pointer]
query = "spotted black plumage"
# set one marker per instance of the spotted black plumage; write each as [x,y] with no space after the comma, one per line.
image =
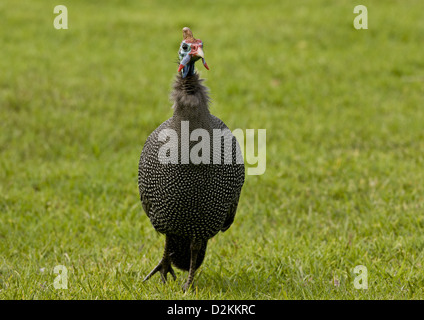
[189,203]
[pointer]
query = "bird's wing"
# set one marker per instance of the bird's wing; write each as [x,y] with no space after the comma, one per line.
[231,214]
[144,177]
[148,160]
[145,204]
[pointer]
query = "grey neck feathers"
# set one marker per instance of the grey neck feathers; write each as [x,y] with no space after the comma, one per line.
[190,97]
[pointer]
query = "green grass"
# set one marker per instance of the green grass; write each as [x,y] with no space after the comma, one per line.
[343,110]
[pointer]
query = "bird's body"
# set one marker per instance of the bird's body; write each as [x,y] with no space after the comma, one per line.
[188,201]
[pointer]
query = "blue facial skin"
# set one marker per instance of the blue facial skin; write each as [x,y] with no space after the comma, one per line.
[186,60]
[188,69]
[189,65]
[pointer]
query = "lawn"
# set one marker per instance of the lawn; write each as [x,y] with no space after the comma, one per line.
[344,119]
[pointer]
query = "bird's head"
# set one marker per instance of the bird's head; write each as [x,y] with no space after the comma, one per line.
[190,51]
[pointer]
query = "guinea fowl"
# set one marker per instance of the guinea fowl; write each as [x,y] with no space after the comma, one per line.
[189,192]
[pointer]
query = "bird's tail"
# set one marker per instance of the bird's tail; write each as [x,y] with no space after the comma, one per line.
[180,253]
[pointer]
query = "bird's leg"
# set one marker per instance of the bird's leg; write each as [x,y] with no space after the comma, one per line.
[164,265]
[194,250]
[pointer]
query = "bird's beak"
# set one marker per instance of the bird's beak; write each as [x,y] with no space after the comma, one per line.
[199,54]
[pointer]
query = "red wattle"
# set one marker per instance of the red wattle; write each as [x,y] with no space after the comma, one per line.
[180,67]
[206,65]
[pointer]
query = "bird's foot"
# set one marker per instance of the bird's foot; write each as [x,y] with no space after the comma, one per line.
[163,267]
[187,286]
